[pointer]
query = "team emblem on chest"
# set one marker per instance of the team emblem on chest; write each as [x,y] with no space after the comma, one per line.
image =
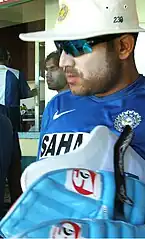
[129,117]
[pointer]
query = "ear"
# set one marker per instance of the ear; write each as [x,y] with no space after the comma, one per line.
[125,46]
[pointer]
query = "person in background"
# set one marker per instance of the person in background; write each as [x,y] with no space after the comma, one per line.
[13,87]
[55,76]
[6,142]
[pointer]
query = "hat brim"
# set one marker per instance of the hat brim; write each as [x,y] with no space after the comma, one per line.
[56,35]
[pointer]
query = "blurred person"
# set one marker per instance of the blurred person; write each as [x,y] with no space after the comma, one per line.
[55,77]
[13,88]
[6,142]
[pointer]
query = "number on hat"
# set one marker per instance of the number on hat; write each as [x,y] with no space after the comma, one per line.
[118,19]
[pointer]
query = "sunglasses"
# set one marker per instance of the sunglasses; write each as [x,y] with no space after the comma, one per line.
[77,48]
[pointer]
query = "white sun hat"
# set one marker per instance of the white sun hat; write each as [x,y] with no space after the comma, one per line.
[80,19]
[97,153]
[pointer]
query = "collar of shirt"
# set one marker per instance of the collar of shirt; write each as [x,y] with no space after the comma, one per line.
[3,67]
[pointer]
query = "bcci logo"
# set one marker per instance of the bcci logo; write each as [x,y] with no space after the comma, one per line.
[62,13]
[84,182]
[66,230]
[130,117]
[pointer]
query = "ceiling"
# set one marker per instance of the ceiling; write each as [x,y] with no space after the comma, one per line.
[35,10]
[141,10]
[26,12]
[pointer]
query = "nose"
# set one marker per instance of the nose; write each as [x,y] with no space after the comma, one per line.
[48,74]
[66,60]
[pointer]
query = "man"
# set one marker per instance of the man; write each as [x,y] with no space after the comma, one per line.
[6,142]
[55,76]
[13,88]
[101,64]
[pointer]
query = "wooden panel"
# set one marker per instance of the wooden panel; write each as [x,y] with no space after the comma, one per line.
[22,53]
[7,3]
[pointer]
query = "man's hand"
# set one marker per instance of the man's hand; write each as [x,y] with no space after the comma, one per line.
[33,93]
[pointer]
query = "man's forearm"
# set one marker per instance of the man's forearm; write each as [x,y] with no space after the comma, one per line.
[32,92]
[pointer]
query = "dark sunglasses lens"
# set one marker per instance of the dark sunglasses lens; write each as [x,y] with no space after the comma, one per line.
[68,47]
[58,46]
[74,48]
[80,47]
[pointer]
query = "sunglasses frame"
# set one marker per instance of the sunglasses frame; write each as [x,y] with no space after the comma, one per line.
[83,46]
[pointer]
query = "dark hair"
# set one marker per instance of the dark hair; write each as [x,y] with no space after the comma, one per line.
[3,54]
[113,36]
[135,35]
[55,55]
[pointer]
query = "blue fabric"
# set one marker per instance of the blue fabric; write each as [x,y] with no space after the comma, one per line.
[62,132]
[13,88]
[16,89]
[84,229]
[77,194]
[24,87]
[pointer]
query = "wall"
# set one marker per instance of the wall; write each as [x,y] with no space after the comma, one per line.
[140,46]
[33,11]
[22,13]
[9,39]
[22,53]
[140,54]
[141,11]
[29,148]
